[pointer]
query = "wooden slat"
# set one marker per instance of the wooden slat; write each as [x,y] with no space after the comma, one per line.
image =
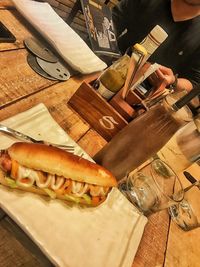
[6,4]
[13,21]
[17,79]
[92,142]
[79,19]
[61,13]
[16,248]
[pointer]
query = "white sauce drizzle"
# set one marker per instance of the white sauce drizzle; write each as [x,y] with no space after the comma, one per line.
[98,190]
[104,191]
[40,184]
[83,191]
[78,188]
[25,173]
[94,191]
[56,183]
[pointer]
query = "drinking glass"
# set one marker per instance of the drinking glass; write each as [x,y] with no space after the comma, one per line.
[186,214]
[152,187]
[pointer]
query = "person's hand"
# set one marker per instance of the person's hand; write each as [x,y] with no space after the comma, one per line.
[162,77]
[166,74]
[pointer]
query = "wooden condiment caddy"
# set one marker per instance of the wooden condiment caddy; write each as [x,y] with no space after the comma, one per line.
[107,118]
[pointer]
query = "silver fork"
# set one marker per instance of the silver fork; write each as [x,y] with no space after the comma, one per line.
[25,137]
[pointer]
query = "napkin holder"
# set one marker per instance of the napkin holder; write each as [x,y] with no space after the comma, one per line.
[107,118]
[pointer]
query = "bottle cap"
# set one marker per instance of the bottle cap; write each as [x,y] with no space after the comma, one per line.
[158,34]
[140,48]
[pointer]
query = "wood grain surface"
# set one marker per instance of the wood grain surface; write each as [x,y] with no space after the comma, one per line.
[18,253]
[18,80]
[6,4]
[163,243]
[183,248]
[16,24]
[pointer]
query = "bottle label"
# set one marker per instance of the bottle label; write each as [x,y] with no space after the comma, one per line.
[103,91]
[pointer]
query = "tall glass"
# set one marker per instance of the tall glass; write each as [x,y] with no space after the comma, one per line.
[142,138]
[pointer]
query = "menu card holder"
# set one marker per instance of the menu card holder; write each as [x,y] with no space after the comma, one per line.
[102,35]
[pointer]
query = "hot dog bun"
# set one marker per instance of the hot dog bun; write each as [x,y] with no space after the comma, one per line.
[48,170]
[56,161]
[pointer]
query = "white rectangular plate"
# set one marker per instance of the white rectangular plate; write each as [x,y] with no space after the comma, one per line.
[71,236]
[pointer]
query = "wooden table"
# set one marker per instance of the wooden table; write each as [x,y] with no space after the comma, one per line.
[163,244]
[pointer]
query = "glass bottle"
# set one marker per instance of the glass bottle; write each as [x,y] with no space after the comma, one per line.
[153,40]
[113,78]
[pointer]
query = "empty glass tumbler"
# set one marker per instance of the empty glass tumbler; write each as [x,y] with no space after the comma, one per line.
[152,187]
[186,214]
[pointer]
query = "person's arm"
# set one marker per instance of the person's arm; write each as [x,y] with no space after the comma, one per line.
[184,84]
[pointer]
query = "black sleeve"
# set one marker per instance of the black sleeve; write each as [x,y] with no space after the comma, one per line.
[121,14]
[193,74]
[195,77]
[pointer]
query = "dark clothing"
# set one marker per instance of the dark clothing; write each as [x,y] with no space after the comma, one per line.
[180,51]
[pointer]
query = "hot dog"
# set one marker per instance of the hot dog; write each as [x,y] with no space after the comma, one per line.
[51,171]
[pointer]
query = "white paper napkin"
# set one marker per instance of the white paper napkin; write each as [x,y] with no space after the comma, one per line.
[70,236]
[60,35]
